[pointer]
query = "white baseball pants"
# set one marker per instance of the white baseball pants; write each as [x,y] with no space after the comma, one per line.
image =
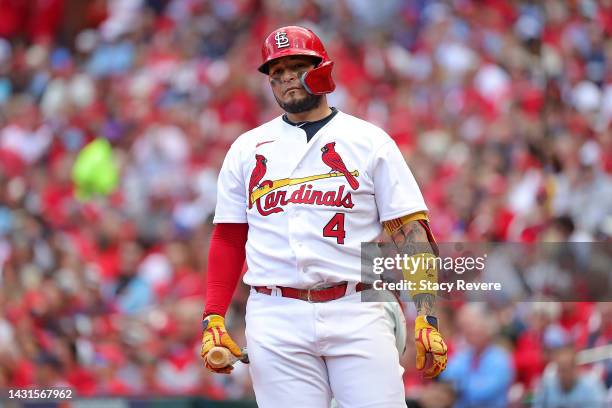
[302,354]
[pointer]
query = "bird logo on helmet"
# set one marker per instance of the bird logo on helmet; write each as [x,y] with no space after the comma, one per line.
[295,40]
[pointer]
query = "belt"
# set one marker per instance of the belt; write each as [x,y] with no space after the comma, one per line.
[314,295]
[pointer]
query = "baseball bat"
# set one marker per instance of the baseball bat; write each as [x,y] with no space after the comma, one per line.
[219,357]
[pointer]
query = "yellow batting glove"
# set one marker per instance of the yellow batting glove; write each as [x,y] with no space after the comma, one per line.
[429,341]
[215,335]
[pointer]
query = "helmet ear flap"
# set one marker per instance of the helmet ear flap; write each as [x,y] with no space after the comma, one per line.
[318,81]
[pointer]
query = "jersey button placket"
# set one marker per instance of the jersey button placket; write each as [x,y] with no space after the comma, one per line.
[293,224]
[297,217]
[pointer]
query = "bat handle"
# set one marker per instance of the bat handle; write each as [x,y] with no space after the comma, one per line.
[219,357]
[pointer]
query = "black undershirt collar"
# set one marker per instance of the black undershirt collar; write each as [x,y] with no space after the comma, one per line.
[311,128]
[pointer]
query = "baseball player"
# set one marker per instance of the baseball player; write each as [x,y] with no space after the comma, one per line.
[297,196]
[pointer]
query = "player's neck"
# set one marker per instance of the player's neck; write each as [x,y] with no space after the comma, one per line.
[320,112]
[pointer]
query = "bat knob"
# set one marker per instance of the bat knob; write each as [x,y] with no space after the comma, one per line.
[219,357]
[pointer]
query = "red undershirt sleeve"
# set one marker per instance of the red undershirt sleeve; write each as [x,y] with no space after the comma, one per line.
[225,263]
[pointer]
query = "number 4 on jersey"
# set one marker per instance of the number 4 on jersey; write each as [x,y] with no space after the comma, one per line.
[335,228]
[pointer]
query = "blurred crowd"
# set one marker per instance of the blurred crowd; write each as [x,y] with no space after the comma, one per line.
[501,108]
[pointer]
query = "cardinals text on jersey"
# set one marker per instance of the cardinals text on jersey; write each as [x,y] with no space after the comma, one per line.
[275,198]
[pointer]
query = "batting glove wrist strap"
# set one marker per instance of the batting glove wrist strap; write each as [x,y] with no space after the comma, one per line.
[421,271]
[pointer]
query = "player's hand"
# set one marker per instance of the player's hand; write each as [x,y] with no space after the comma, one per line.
[429,342]
[215,335]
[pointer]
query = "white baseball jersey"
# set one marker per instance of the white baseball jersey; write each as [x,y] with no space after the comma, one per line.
[310,204]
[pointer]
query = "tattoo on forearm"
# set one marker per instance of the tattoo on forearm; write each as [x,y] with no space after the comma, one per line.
[411,239]
[425,303]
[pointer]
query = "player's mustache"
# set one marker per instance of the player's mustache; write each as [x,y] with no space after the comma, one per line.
[290,88]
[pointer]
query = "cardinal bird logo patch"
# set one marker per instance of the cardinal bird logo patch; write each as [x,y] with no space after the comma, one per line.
[335,162]
[257,174]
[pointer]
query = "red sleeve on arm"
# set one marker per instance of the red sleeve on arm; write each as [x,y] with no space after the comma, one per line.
[225,261]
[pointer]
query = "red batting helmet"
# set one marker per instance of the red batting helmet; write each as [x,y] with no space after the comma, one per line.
[294,40]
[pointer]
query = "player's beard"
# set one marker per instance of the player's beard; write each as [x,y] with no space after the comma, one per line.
[309,102]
